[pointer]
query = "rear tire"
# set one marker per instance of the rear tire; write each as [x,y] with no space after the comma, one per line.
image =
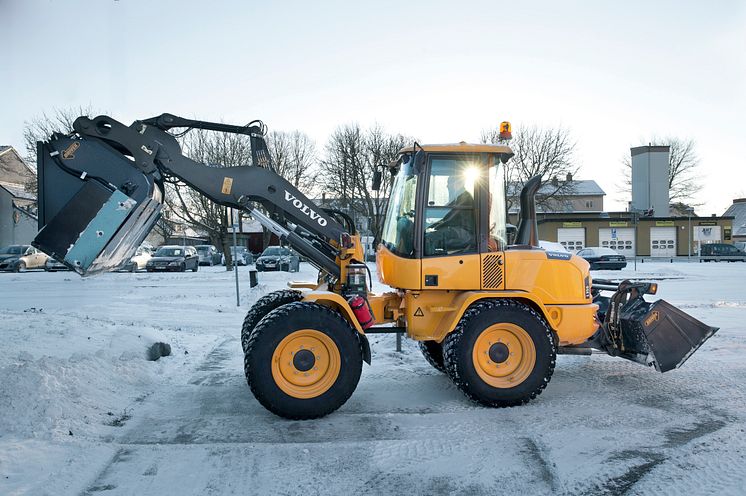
[433,353]
[502,353]
[196,268]
[303,361]
[262,307]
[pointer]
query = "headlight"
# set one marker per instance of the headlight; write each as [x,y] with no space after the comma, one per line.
[175,262]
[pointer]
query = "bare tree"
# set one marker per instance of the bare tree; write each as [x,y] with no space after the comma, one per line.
[294,158]
[352,155]
[189,207]
[548,152]
[684,182]
[41,127]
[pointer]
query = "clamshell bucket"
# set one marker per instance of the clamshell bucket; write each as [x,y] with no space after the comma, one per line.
[656,334]
[95,207]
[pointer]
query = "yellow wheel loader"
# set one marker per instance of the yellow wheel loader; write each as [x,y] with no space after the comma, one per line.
[491,312]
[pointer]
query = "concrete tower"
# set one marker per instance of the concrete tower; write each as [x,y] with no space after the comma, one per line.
[650,179]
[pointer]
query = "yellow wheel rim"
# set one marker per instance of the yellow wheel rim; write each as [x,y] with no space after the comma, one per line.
[504,355]
[306,363]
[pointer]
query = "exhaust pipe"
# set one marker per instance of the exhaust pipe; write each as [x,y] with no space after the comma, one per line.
[528,231]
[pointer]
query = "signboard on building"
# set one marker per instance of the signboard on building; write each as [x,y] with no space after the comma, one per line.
[664,223]
[618,224]
[572,224]
[708,223]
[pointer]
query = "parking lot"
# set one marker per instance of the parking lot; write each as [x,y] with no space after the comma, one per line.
[82,411]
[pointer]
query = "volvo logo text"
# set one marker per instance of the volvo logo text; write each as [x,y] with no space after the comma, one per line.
[289,197]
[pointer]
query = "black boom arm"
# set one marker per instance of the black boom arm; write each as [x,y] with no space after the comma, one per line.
[155,152]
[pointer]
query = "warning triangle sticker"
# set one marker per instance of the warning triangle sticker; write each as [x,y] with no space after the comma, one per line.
[418,312]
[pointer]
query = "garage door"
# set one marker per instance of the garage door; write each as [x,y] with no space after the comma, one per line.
[619,239]
[663,241]
[572,238]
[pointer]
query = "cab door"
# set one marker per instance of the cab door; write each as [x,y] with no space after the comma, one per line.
[450,248]
[493,226]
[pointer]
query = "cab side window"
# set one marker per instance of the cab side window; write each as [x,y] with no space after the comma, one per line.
[451,213]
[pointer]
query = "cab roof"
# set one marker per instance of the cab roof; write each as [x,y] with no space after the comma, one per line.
[462,147]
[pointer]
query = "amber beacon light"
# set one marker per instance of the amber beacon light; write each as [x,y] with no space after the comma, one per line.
[506,130]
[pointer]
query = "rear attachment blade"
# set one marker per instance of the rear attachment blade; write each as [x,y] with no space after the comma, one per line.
[656,334]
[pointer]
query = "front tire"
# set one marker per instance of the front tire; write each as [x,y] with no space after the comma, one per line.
[433,353]
[21,266]
[262,307]
[303,361]
[502,353]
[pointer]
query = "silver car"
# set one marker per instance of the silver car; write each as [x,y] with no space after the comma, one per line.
[208,255]
[18,258]
[241,255]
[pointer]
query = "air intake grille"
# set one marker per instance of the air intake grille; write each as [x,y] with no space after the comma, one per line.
[492,272]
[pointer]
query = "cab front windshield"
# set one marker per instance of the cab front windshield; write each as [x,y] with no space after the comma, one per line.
[398,227]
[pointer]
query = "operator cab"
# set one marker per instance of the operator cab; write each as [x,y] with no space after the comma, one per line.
[446,209]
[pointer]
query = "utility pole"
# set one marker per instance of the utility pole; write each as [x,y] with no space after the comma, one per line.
[689,234]
[235,262]
[635,217]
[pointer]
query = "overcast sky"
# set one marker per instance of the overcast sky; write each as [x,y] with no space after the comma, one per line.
[441,71]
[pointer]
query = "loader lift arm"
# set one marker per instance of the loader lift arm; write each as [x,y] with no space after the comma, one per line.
[146,148]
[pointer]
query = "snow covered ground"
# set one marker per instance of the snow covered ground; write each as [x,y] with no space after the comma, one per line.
[83,412]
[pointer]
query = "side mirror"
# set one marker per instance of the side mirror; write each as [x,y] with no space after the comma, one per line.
[376,180]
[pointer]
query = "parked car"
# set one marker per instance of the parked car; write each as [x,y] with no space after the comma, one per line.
[18,258]
[721,252]
[139,260]
[173,258]
[241,255]
[603,258]
[552,246]
[278,258]
[52,265]
[208,255]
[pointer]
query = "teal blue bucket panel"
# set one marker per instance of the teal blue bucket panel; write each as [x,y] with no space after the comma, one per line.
[100,230]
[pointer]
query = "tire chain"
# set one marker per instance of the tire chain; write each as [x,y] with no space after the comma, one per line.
[451,342]
[276,318]
[262,307]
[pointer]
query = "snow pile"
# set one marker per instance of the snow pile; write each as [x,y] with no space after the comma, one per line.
[52,397]
[74,360]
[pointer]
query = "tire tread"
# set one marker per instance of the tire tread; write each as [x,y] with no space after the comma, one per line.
[452,341]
